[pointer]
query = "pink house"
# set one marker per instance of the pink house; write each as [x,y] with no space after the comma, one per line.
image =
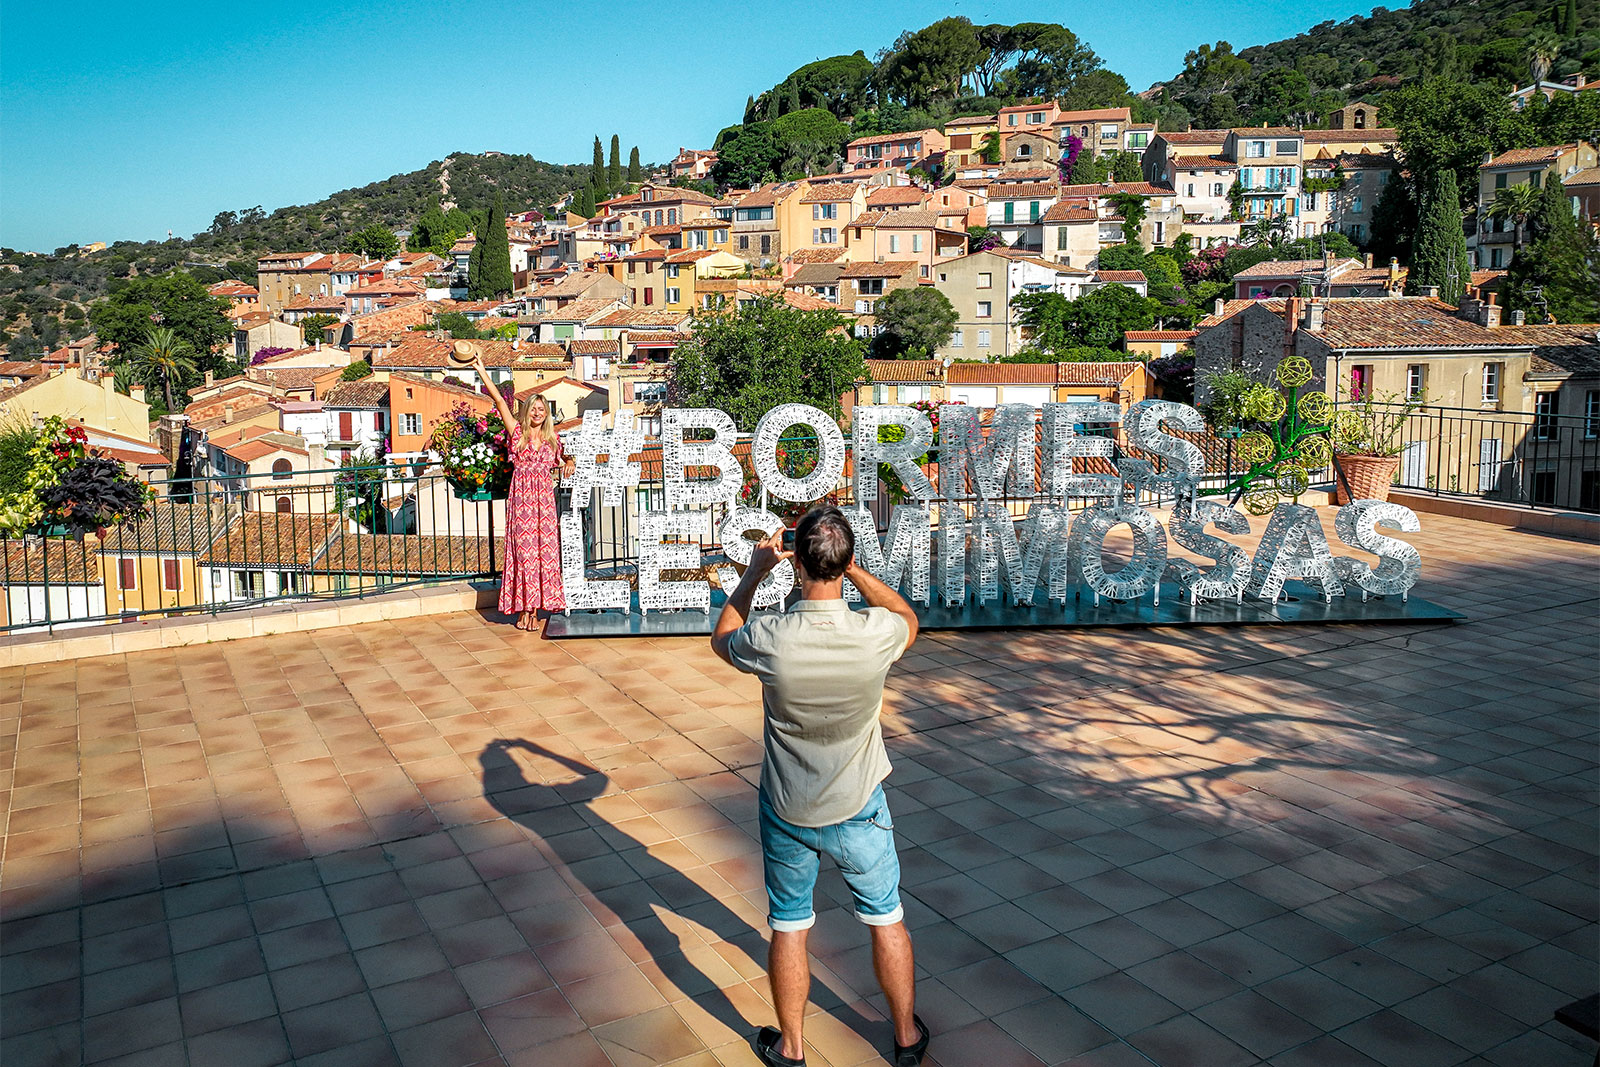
[893,149]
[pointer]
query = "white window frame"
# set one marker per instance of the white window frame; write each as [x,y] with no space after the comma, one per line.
[985,338]
[1416,380]
[985,309]
[1491,383]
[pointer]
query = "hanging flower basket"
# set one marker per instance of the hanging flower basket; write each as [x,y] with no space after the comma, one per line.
[474,451]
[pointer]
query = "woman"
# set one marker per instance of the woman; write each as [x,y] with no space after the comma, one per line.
[530,578]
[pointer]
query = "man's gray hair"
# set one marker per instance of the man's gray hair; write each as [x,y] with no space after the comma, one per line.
[824,543]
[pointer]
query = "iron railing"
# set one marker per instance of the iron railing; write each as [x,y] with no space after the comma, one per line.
[1529,459]
[223,542]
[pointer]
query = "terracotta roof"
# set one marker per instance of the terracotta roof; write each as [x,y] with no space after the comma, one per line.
[1023,191]
[1266,131]
[56,560]
[642,317]
[313,303]
[365,393]
[382,287]
[1295,268]
[661,231]
[575,284]
[760,198]
[1365,160]
[1579,360]
[816,274]
[1159,335]
[1522,157]
[250,451]
[12,368]
[1111,188]
[579,310]
[1121,277]
[595,348]
[972,120]
[905,370]
[427,352]
[891,269]
[815,255]
[691,255]
[1101,114]
[1095,373]
[1065,212]
[272,540]
[806,302]
[889,195]
[1203,163]
[886,138]
[544,387]
[409,555]
[906,219]
[829,194]
[1413,322]
[1193,137]
[171,528]
[233,289]
[1002,374]
[1011,174]
[1587,176]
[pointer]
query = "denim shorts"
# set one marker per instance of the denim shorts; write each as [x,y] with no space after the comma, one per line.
[863,848]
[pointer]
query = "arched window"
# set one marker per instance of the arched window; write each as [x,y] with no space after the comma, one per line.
[1024,151]
[1283,290]
[285,505]
[672,216]
[281,469]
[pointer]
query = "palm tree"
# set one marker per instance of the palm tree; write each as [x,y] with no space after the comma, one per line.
[164,355]
[1543,48]
[1515,202]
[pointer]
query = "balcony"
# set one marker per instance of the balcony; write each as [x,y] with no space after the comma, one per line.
[441,841]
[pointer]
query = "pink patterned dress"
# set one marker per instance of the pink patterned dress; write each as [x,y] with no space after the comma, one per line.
[530,579]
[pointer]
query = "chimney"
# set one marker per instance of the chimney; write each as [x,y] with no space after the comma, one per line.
[1217,305]
[209,376]
[1314,312]
[315,461]
[1291,323]
[1367,260]
[137,392]
[1394,274]
[227,412]
[1431,292]
[1491,312]
[1519,318]
[169,434]
[1470,304]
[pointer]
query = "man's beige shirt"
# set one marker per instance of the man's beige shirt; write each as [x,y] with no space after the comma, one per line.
[822,668]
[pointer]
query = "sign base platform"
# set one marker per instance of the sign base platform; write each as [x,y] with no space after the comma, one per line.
[1300,606]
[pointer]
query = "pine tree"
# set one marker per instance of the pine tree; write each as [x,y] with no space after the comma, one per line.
[1561,259]
[614,168]
[1439,249]
[494,255]
[597,174]
[633,166]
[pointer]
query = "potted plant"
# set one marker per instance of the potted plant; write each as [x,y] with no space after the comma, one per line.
[67,490]
[474,449]
[1368,438]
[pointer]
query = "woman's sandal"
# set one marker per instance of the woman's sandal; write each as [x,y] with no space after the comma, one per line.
[767,1048]
[911,1055]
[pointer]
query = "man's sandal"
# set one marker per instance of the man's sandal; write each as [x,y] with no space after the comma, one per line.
[767,1048]
[911,1055]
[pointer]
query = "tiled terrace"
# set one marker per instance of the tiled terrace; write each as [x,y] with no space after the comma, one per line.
[441,842]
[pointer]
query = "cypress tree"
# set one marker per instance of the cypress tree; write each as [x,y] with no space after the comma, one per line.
[614,168]
[494,274]
[597,173]
[1562,259]
[1439,249]
[633,165]
[475,267]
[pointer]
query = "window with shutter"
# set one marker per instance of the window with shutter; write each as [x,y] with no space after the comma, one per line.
[127,574]
[171,579]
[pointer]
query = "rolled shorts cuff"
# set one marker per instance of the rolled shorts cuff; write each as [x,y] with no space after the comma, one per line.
[789,926]
[886,919]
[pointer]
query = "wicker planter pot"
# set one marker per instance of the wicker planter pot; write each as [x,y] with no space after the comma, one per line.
[1369,476]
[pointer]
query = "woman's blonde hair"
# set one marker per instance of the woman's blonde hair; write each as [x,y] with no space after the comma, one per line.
[547,429]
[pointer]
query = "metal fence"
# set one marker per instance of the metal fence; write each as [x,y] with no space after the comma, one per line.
[1526,459]
[220,543]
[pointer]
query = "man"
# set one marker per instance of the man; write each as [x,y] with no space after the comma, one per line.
[822,668]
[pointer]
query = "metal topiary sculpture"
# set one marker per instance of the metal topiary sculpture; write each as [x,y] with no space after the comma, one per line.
[1291,439]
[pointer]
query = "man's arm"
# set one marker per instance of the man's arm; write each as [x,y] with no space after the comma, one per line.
[768,554]
[879,595]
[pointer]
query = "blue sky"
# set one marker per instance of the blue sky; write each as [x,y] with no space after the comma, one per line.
[127,120]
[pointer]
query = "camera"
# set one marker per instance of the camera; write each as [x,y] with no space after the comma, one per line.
[788,539]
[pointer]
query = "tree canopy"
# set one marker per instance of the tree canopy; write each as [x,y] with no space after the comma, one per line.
[1558,272]
[1097,319]
[765,353]
[915,322]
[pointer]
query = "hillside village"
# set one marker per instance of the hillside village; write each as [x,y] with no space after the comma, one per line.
[344,358]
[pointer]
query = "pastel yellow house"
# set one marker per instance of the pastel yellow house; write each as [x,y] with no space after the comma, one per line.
[153,565]
[97,405]
[683,272]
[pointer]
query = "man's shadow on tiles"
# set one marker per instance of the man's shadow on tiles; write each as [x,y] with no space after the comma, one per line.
[536,806]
